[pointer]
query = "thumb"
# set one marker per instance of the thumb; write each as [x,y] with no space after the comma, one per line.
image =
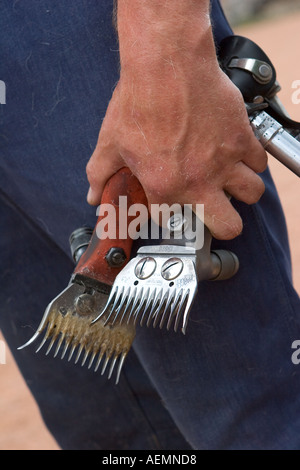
[101,166]
[104,162]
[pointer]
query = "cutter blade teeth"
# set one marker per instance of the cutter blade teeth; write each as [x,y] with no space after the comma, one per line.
[42,343]
[72,351]
[70,333]
[120,365]
[31,340]
[79,353]
[59,344]
[46,320]
[92,359]
[51,344]
[57,322]
[53,320]
[87,352]
[101,354]
[67,344]
[112,366]
[105,365]
[47,335]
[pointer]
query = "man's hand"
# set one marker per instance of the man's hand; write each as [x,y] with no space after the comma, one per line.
[175,119]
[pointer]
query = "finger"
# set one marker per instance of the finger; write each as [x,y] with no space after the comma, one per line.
[104,163]
[256,157]
[222,219]
[105,160]
[245,185]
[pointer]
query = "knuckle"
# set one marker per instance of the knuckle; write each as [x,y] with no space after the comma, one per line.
[90,173]
[258,157]
[258,185]
[94,182]
[260,188]
[252,191]
[256,192]
[261,160]
[158,189]
[226,229]
[233,230]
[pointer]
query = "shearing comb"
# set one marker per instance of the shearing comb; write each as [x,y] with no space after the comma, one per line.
[158,286]
[67,322]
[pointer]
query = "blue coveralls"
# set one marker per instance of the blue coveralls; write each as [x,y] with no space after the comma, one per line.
[230,382]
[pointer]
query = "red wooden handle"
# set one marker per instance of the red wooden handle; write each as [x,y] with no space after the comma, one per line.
[93,262]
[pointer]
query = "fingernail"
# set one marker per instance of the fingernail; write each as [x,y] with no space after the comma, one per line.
[90,196]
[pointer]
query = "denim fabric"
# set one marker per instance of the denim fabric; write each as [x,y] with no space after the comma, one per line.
[229,383]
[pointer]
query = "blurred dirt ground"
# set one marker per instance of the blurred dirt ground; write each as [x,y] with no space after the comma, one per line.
[21,427]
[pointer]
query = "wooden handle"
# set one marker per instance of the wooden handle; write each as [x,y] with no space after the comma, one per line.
[93,263]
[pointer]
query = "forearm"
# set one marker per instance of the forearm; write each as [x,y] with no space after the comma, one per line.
[153,33]
[175,119]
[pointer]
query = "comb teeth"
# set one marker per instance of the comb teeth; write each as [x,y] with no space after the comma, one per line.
[156,288]
[165,308]
[152,305]
[155,300]
[94,345]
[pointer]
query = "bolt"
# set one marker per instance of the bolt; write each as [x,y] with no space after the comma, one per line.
[265,71]
[84,304]
[115,257]
[258,99]
[172,269]
[63,311]
[145,268]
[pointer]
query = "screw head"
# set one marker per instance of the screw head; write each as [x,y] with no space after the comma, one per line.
[145,268]
[115,257]
[258,99]
[172,269]
[265,71]
[177,223]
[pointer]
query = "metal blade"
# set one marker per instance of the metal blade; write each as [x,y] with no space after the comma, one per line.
[68,324]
